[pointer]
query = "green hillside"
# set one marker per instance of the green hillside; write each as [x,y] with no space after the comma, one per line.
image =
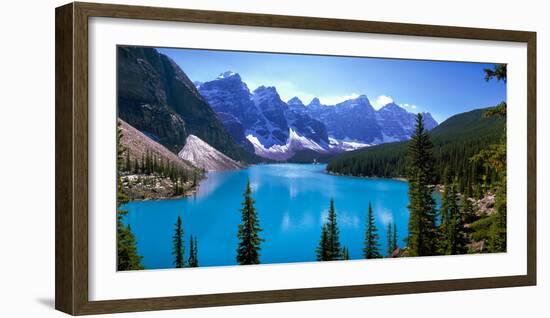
[455,141]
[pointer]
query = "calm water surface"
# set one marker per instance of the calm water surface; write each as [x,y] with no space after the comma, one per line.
[292,201]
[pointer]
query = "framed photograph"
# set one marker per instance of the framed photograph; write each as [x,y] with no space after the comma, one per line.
[211,158]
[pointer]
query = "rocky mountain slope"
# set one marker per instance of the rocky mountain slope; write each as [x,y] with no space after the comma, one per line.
[356,120]
[269,126]
[206,157]
[138,184]
[138,145]
[262,122]
[156,97]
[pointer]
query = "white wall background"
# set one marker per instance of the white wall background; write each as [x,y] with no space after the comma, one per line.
[27,158]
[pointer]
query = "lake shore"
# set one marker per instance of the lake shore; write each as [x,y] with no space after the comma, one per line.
[154,187]
[365,177]
[291,201]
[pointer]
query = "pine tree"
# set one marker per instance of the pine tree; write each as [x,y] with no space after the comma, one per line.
[345,253]
[443,235]
[390,239]
[322,250]
[497,232]
[422,221]
[178,249]
[499,71]
[248,251]
[142,166]
[335,251]
[196,252]
[389,251]
[467,208]
[176,187]
[394,240]
[147,162]
[135,166]
[370,249]
[128,163]
[193,260]
[454,234]
[127,254]
[495,158]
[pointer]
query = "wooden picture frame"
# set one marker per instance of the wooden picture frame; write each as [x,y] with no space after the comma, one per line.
[71,89]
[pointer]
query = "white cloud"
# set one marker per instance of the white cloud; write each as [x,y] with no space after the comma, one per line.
[333,100]
[251,85]
[285,89]
[381,100]
[288,90]
[410,106]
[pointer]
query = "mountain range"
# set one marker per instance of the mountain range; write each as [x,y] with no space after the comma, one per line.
[262,122]
[455,142]
[156,97]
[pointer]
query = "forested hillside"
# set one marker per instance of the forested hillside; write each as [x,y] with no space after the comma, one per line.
[147,170]
[456,141]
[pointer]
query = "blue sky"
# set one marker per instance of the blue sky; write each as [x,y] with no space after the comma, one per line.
[441,88]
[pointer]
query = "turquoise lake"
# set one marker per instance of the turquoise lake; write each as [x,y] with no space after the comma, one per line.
[292,202]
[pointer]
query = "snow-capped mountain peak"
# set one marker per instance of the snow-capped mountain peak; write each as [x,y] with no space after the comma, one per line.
[392,107]
[266,92]
[345,145]
[228,74]
[362,100]
[295,101]
[294,143]
[314,102]
[261,122]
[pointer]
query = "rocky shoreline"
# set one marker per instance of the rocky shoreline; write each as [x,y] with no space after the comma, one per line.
[139,187]
[483,206]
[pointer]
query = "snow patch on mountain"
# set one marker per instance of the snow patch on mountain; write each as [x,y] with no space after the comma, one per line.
[206,157]
[262,122]
[386,138]
[226,74]
[345,145]
[294,143]
[301,142]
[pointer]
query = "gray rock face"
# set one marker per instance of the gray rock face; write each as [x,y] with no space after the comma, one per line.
[261,114]
[236,130]
[353,119]
[397,124]
[157,98]
[206,157]
[260,120]
[304,124]
[356,120]
[273,109]
[138,145]
[231,99]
